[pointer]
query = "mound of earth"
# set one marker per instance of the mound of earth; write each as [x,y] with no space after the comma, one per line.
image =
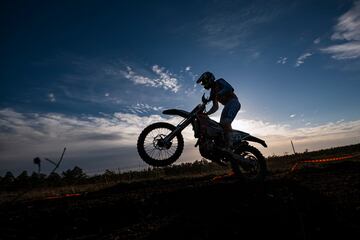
[311,203]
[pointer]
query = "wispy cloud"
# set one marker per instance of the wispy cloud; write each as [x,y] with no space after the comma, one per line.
[349,50]
[115,83]
[347,29]
[139,79]
[292,115]
[51,97]
[348,26]
[164,79]
[229,28]
[282,60]
[143,108]
[300,60]
[317,40]
[340,121]
[167,79]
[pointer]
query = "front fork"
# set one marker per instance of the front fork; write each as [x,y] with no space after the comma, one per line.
[183,124]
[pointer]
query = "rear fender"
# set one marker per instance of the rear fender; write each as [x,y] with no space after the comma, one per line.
[255,139]
[243,136]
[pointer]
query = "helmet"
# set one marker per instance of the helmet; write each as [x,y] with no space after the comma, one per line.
[206,79]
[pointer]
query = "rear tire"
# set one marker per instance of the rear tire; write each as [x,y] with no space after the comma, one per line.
[154,159]
[257,172]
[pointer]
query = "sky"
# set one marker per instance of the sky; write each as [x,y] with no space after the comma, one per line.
[90,75]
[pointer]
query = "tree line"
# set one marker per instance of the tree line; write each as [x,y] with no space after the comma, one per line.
[24,180]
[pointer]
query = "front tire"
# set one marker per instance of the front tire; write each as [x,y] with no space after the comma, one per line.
[150,149]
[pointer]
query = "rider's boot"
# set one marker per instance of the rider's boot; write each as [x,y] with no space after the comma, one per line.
[228,144]
[228,148]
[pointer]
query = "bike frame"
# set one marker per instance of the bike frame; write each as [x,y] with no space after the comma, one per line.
[185,122]
[192,118]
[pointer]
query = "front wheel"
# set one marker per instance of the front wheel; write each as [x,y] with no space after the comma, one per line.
[252,167]
[152,148]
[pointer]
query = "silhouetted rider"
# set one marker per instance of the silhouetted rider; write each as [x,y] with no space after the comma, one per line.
[223,92]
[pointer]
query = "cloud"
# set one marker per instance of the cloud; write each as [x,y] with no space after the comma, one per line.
[347,29]
[112,137]
[115,83]
[138,79]
[317,40]
[188,68]
[350,50]
[255,55]
[143,108]
[29,135]
[229,28]
[282,60]
[167,79]
[292,115]
[340,121]
[164,79]
[300,60]
[51,97]
[348,26]
[308,137]
[42,134]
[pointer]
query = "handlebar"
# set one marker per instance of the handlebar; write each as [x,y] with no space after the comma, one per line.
[204,99]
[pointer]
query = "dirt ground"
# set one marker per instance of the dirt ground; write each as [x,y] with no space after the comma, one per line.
[310,203]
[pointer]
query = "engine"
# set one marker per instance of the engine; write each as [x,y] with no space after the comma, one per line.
[207,148]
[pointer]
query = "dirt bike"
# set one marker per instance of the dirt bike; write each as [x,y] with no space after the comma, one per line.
[161,144]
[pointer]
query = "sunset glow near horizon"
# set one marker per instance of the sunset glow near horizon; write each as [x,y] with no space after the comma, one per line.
[90,75]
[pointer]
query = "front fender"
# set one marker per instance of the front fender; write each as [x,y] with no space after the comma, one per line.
[177,112]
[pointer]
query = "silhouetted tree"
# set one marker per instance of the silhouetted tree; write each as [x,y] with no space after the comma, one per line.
[76,174]
[22,181]
[23,176]
[8,178]
[37,179]
[54,179]
[7,181]
[109,175]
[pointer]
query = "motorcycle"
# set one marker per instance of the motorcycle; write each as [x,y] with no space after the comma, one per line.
[161,144]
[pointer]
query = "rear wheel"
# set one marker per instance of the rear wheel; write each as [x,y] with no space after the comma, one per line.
[252,167]
[152,148]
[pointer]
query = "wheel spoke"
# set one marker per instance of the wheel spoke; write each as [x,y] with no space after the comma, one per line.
[148,145]
[152,148]
[168,154]
[152,152]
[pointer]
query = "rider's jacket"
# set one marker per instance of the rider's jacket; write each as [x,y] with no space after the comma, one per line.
[222,91]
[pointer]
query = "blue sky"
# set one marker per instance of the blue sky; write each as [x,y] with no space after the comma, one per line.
[90,75]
